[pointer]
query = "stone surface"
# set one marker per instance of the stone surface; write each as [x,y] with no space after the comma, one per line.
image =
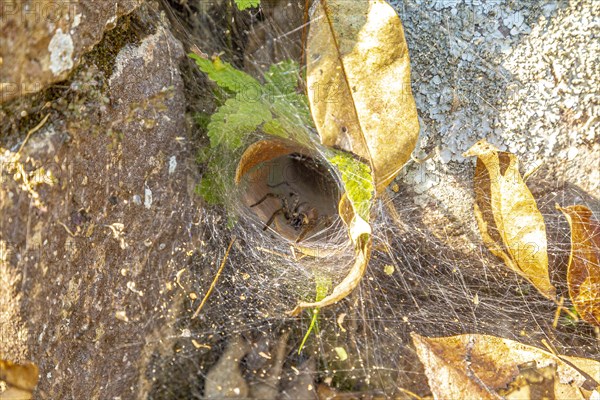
[88,269]
[43,40]
[519,74]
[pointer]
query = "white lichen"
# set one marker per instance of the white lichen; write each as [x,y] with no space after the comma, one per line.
[61,52]
[172,164]
[147,198]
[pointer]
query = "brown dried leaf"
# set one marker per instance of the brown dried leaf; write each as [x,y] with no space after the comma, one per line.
[586,366]
[358,229]
[510,223]
[488,367]
[225,379]
[23,377]
[360,232]
[262,151]
[360,235]
[358,75]
[583,274]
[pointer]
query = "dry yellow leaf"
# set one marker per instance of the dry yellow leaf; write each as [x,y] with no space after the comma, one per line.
[510,223]
[586,366]
[489,367]
[358,77]
[583,274]
[20,378]
[348,284]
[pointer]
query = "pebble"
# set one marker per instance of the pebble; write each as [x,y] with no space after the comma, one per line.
[467,56]
[548,9]
[445,155]
[172,164]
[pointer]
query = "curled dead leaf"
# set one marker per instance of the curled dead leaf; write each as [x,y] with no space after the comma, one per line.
[280,181]
[360,235]
[359,230]
[583,274]
[510,223]
[262,151]
[489,367]
[358,78]
[349,283]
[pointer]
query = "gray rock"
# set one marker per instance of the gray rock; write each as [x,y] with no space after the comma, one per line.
[42,41]
[87,280]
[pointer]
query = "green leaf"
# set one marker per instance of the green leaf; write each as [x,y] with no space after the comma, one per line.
[243,4]
[210,188]
[202,120]
[282,78]
[358,182]
[235,120]
[275,127]
[275,108]
[323,284]
[227,77]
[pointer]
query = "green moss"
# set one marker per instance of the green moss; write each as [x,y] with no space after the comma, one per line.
[244,4]
[358,182]
[20,115]
[127,31]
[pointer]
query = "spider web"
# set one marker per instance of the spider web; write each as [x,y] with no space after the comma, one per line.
[430,273]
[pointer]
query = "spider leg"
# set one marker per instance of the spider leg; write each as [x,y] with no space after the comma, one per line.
[298,205]
[265,197]
[305,230]
[310,223]
[278,184]
[270,221]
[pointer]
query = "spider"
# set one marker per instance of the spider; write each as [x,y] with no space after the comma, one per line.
[299,215]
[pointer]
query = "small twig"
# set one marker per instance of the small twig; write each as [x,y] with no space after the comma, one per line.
[32,131]
[571,314]
[214,282]
[422,160]
[178,278]
[275,253]
[550,348]
[531,172]
[408,392]
[67,229]
[561,308]
[558,310]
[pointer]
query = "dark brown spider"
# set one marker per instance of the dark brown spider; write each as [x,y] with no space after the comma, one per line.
[299,215]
